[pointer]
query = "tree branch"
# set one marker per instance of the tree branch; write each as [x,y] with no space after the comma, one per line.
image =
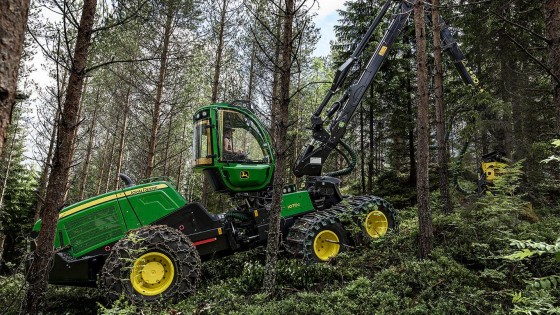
[521,27]
[540,63]
[119,61]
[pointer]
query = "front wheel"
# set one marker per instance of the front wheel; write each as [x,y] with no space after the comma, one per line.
[150,264]
[328,242]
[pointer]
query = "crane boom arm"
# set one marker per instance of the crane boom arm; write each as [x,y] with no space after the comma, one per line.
[314,155]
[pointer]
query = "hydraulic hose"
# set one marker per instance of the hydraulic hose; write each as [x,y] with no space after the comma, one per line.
[351,162]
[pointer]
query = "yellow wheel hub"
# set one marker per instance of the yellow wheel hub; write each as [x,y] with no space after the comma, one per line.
[326,245]
[376,224]
[152,274]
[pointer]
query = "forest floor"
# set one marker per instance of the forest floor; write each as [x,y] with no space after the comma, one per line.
[466,274]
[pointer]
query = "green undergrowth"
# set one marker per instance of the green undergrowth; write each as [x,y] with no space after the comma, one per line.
[466,274]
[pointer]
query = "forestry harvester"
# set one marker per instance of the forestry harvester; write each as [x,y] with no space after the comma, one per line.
[146,241]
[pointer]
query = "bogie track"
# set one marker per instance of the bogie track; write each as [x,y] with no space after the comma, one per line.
[372,215]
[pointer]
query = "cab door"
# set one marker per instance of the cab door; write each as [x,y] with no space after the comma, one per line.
[244,153]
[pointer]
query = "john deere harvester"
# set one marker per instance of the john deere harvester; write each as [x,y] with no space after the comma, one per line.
[146,241]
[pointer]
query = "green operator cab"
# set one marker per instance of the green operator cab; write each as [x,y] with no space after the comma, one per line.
[232,148]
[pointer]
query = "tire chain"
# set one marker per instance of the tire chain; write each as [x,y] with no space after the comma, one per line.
[115,275]
[299,241]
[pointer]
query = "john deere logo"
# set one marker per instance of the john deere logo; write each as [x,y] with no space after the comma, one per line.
[244,174]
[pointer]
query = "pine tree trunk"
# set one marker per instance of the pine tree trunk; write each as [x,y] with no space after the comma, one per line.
[85,168]
[552,21]
[13,22]
[425,236]
[110,178]
[103,160]
[159,91]
[167,145]
[4,186]
[122,141]
[219,52]
[410,115]
[440,112]
[181,159]
[46,168]
[371,154]
[280,128]
[62,161]
[362,153]
[216,85]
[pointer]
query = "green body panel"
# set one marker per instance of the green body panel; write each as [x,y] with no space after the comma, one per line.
[92,228]
[151,206]
[101,220]
[296,203]
[129,215]
[260,174]
[247,175]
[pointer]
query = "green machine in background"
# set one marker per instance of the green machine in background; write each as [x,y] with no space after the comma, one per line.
[491,167]
[146,241]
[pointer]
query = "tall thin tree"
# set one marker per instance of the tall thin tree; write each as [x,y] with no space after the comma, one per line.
[62,161]
[167,32]
[425,237]
[280,128]
[552,22]
[440,111]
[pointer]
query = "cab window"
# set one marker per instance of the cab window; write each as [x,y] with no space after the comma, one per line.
[202,144]
[240,139]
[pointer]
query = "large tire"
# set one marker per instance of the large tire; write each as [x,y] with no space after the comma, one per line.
[317,237]
[376,218]
[355,220]
[150,264]
[366,218]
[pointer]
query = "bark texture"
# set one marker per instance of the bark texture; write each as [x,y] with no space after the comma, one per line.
[13,21]
[552,20]
[159,91]
[216,84]
[425,237]
[280,128]
[62,160]
[440,112]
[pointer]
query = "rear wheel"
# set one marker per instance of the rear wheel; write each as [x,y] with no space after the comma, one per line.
[376,217]
[150,264]
[377,223]
[316,237]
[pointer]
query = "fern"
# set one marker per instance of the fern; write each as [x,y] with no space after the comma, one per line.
[546,283]
[554,158]
[529,248]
